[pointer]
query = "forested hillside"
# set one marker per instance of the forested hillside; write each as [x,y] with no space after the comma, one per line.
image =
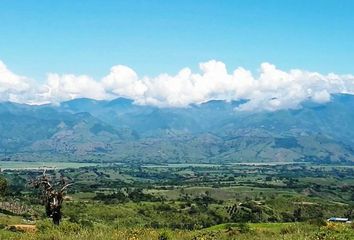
[212,132]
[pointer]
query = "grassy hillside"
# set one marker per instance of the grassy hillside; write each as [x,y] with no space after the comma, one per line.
[181,201]
[70,231]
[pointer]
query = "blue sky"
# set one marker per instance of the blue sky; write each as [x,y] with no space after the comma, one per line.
[176,53]
[89,37]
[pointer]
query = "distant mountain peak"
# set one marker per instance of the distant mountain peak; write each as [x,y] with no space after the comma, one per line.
[121,101]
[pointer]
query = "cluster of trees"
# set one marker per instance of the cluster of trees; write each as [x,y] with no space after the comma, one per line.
[126,195]
[202,200]
[3,185]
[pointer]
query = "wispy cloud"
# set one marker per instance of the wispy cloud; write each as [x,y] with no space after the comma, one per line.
[271,89]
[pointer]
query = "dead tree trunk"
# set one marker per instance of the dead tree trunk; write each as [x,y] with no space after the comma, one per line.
[52,198]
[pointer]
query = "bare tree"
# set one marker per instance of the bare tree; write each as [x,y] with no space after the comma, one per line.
[52,197]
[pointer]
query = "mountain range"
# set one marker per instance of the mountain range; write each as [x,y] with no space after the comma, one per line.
[212,132]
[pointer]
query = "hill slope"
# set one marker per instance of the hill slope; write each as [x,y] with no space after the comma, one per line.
[119,130]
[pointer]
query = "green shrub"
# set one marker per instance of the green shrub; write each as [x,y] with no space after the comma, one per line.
[288,230]
[86,223]
[243,228]
[44,225]
[317,222]
[163,236]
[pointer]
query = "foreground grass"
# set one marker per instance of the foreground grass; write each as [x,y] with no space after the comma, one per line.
[264,231]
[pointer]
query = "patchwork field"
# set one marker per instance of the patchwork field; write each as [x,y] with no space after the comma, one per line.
[194,202]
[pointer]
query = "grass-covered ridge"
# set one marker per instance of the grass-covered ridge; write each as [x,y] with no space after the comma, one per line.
[293,231]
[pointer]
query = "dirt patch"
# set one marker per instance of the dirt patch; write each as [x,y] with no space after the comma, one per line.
[23,228]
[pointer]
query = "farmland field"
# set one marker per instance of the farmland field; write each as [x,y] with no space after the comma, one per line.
[4,165]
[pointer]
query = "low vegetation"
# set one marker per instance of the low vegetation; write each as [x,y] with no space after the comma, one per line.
[249,201]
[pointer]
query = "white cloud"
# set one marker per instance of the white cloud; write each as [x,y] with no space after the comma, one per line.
[66,87]
[12,86]
[271,89]
[123,81]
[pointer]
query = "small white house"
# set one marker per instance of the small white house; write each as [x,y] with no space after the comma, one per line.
[337,219]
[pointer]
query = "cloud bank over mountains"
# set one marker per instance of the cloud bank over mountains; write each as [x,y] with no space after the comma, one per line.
[272,89]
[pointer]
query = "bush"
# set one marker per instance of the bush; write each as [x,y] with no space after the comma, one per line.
[318,222]
[164,207]
[44,225]
[243,228]
[86,223]
[68,227]
[163,236]
[288,230]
